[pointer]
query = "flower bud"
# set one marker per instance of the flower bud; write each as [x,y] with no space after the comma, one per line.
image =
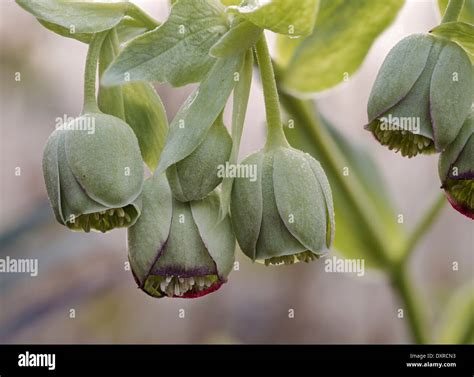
[286,215]
[422,95]
[179,249]
[456,170]
[94,175]
[196,176]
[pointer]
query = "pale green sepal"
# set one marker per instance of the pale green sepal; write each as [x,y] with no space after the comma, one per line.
[216,235]
[274,239]
[450,155]
[320,175]
[451,93]
[197,175]
[185,251]
[107,162]
[401,69]
[247,207]
[51,174]
[149,234]
[300,199]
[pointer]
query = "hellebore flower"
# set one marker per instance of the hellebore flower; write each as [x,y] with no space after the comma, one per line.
[422,95]
[194,177]
[94,175]
[179,249]
[286,215]
[456,170]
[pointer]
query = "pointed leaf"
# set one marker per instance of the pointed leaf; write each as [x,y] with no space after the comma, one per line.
[189,127]
[177,52]
[78,16]
[281,16]
[342,37]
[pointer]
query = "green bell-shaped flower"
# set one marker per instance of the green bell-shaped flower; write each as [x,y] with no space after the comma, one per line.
[286,215]
[456,170]
[195,176]
[94,175]
[422,95]
[179,249]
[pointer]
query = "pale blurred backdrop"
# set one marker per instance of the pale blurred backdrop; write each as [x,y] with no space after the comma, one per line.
[85,272]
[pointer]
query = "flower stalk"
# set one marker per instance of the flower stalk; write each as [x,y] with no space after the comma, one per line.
[275,135]
[452,11]
[90,75]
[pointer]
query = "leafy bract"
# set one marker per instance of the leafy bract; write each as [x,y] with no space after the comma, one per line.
[459,32]
[190,125]
[177,52]
[78,16]
[342,37]
[281,16]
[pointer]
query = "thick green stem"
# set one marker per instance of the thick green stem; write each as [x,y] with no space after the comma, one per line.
[452,11]
[413,309]
[421,228]
[275,135]
[90,75]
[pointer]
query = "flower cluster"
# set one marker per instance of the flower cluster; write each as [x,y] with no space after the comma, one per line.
[420,104]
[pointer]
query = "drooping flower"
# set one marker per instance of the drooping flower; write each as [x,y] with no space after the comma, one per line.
[179,249]
[94,175]
[286,215]
[421,96]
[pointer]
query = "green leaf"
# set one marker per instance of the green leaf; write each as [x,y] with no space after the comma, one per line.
[342,37]
[178,51]
[189,127]
[457,326]
[137,104]
[281,16]
[78,16]
[241,36]
[467,13]
[66,32]
[349,240]
[459,32]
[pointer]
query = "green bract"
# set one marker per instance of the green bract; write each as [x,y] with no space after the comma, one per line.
[422,95]
[197,175]
[285,215]
[177,52]
[456,170]
[94,174]
[179,249]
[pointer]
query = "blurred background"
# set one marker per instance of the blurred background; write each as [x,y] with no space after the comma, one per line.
[84,293]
